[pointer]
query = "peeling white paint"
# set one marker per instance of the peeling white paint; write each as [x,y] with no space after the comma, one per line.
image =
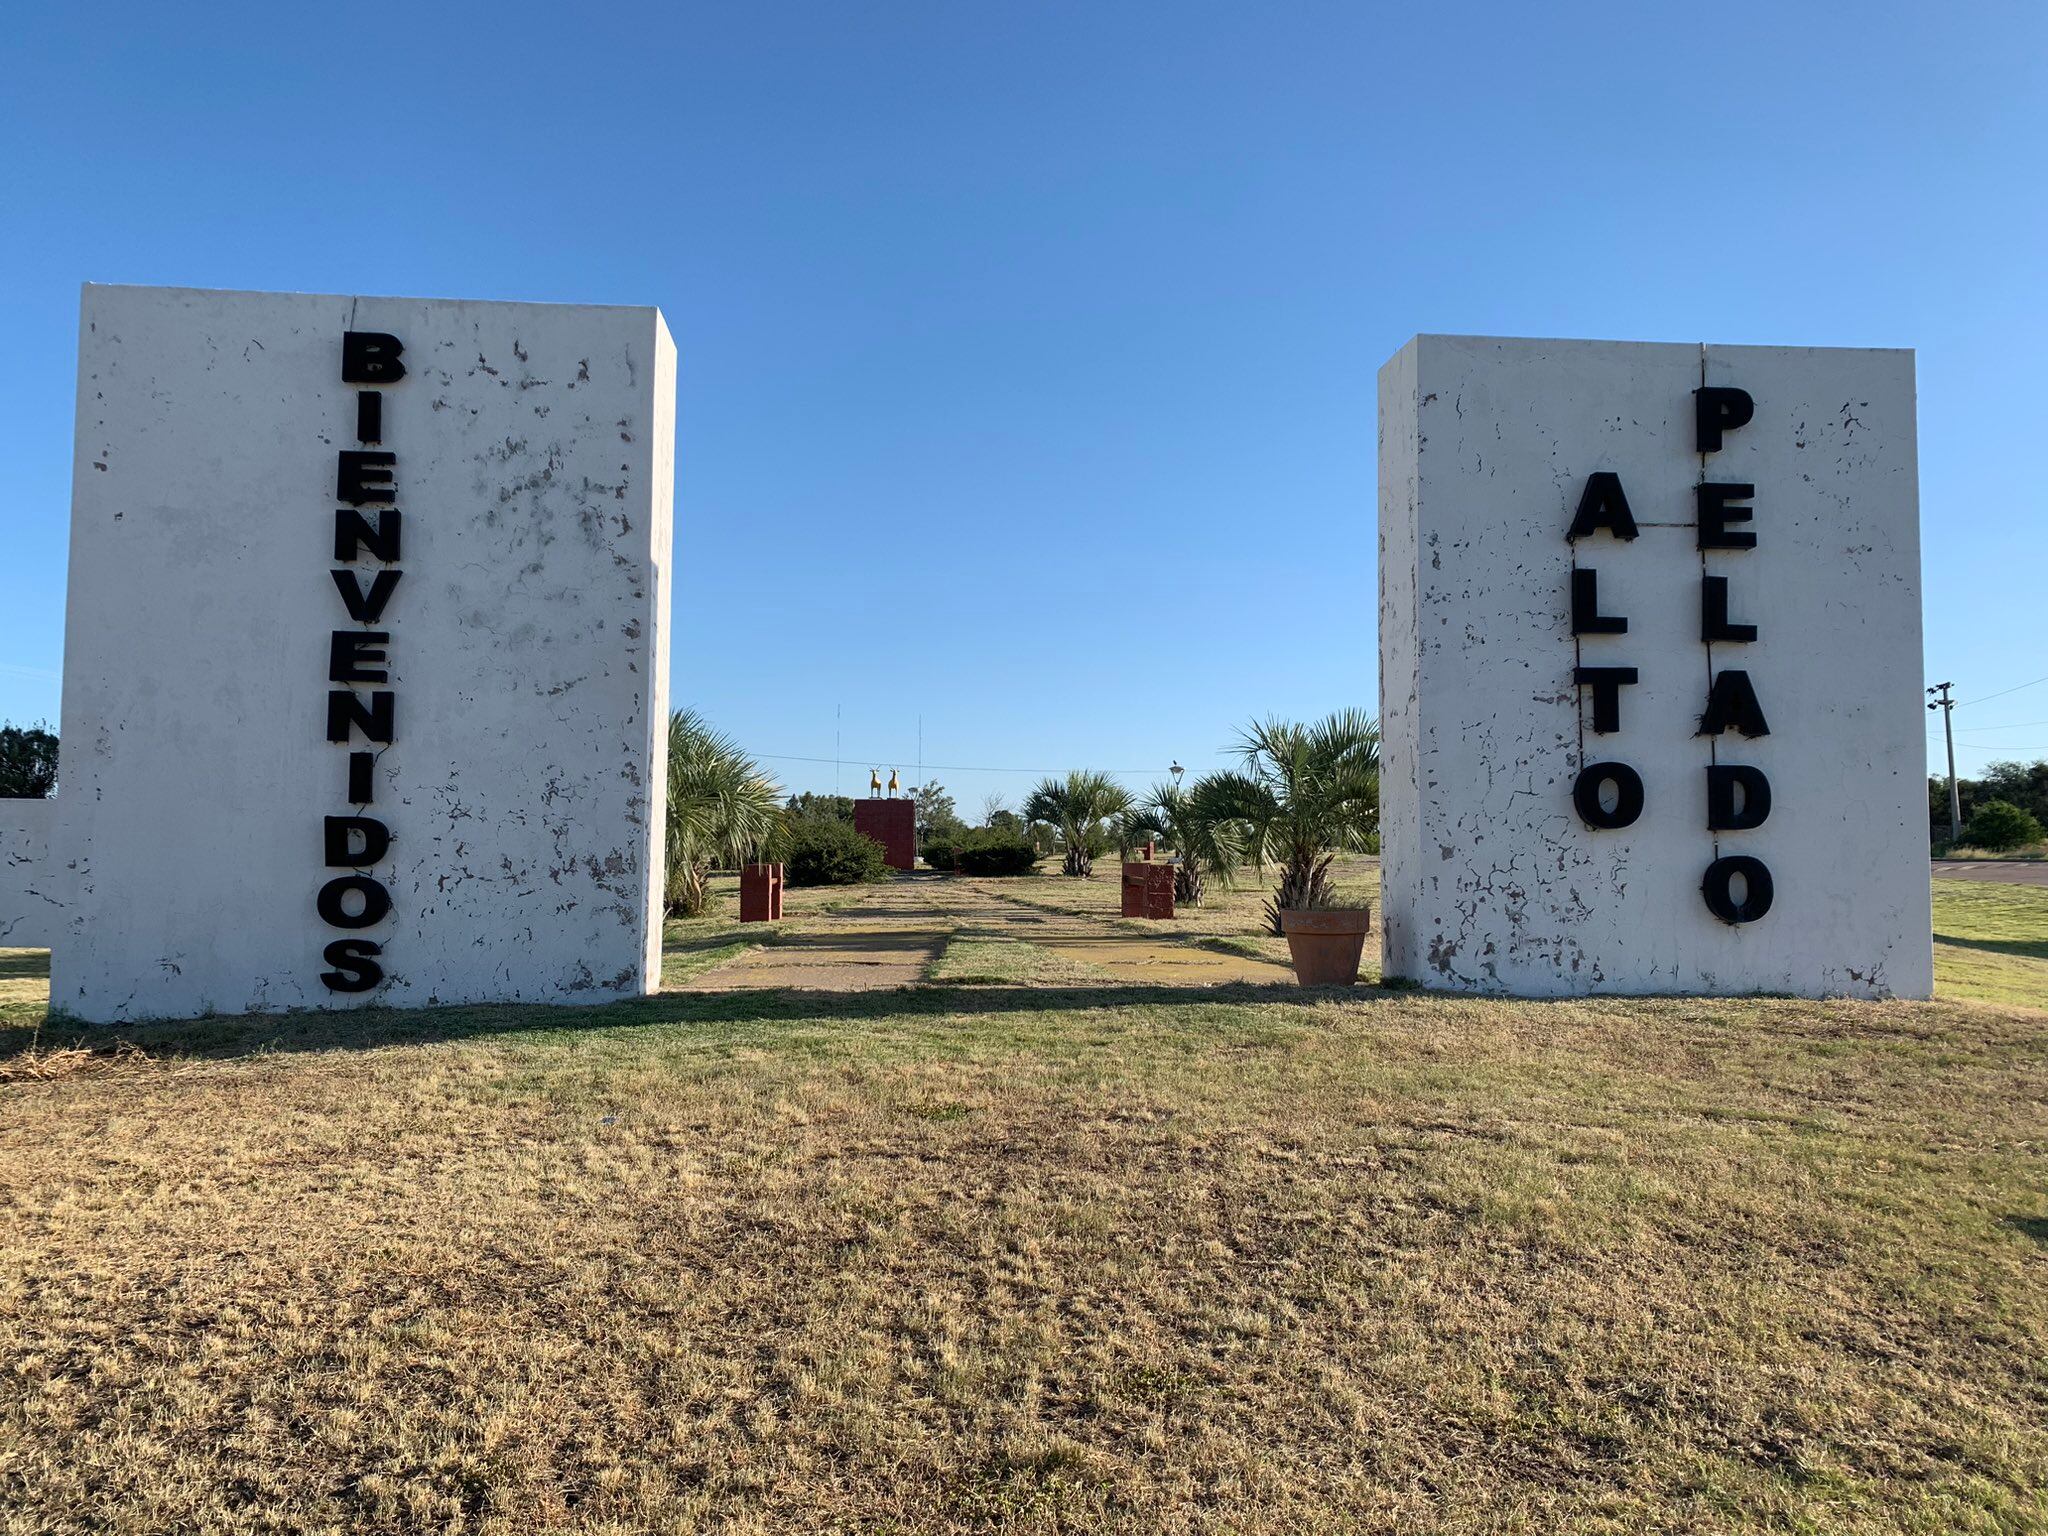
[1492,882]
[529,652]
[30,910]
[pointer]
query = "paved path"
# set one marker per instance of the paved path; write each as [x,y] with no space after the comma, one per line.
[891,936]
[2005,871]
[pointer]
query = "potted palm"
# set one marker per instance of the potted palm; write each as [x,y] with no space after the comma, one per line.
[1304,794]
[1078,806]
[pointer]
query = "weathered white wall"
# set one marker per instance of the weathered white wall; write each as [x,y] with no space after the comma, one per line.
[1492,880]
[29,908]
[528,652]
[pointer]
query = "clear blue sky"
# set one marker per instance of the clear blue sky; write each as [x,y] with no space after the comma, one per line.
[1028,350]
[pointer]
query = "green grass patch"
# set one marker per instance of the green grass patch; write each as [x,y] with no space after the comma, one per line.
[1991,942]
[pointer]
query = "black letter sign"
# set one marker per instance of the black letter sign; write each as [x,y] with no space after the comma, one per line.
[354,970]
[1722,813]
[1603,506]
[341,834]
[1716,513]
[345,712]
[364,475]
[353,534]
[365,607]
[376,902]
[371,357]
[1628,795]
[1586,616]
[1606,683]
[1714,623]
[1731,703]
[355,656]
[1715,411]
[1718,888]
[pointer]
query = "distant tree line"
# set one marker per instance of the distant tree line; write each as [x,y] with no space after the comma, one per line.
[2017,787]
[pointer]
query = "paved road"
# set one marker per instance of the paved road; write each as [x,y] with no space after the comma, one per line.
[2007,871]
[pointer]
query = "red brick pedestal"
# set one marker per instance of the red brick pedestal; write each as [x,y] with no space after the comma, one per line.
[893,824]
[1148,889]
[761,893]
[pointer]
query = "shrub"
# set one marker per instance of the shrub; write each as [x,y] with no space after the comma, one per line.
[1999,825]
[831,807]
[995,852]
[823,851]
[980,851]
[28,762]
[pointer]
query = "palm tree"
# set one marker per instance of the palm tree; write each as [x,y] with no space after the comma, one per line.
[1209,843]
[722,809]
[1304,794]
[1078,806]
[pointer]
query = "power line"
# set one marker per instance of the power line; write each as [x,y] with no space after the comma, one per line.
[884,757]
[1966,703]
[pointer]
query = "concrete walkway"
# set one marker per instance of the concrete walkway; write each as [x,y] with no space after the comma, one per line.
[892,935]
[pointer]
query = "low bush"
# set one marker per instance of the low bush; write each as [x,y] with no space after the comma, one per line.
[982,851]
[996,853]
[826,851]
[1999,825]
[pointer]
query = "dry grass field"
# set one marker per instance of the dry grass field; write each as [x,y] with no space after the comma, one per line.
[1009,1250]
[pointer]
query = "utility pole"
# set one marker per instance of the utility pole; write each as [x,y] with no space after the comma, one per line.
[1947,706]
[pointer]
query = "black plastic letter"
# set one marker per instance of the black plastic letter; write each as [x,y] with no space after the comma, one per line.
[1714,623]
[1586,616]
[361,788]
[365,607]
[1723,815]
[1603,505]
[1606,683]
[345,712]
[341,835]
[354,656]
[1731,704]
[353,534]
[1715,514]
[1716,410]
[371,357]
[1718,888]
[364,475]
[376,902]
[1628,795]
[354,970]
[369,417]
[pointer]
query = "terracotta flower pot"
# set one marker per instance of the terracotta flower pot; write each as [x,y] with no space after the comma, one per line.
[1326,943]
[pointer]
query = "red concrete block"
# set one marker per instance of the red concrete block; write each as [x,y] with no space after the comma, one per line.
[761,893]
[893,824]
[1148,889]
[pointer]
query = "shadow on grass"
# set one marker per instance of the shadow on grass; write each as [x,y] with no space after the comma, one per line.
[713,1013]
[25,965]
[2035,1227]
[2029,949]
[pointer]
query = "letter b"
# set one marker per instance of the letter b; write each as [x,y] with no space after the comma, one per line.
[371,357]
